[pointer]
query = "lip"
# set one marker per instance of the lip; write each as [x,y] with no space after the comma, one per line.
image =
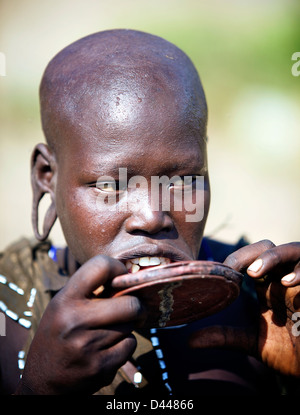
[151,250]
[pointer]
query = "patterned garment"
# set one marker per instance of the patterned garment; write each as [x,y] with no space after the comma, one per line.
[162,363]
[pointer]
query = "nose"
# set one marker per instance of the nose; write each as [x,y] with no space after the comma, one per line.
[149,222]
[146,220]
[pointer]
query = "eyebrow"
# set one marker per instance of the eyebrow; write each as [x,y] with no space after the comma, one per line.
[189,164]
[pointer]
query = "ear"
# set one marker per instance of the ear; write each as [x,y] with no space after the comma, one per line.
[43,167]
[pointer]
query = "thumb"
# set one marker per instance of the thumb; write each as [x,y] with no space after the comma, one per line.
[238,338]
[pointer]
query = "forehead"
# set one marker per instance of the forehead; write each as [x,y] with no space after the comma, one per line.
[128,124]
[131,96]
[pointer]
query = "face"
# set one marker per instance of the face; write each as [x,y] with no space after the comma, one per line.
[99,215]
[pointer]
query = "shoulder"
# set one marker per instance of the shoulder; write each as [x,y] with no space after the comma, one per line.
[214,250]
[18,293]
[20,280]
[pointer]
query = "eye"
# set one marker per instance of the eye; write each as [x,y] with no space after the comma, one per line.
[184,182]
[177,183]
[109,186]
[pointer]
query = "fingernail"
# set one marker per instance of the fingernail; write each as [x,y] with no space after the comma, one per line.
[289,277]
[255,266]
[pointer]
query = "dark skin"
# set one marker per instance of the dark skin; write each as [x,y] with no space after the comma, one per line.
[83,340]
[91,338]
[272,339]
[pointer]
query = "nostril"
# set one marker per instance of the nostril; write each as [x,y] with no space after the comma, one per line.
[149,223]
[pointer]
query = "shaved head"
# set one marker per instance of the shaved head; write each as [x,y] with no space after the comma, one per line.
[121,99]
[111,77]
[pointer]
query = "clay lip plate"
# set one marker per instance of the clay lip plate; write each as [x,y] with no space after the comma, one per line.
[180,292]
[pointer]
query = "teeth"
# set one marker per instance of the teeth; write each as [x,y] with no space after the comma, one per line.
[165,261]
[134,264]
[147,261]
[135,268]
[128,264]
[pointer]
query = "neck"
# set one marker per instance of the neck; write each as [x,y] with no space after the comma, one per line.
[66,261]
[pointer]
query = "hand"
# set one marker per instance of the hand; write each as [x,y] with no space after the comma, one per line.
[82,340]
[276,338]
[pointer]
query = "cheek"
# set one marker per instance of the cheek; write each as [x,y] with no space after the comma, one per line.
[88,229]
[190,222]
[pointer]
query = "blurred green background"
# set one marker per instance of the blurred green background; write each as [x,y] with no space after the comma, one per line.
[242,49]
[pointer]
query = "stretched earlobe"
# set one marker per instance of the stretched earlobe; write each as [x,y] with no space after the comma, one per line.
[49,220]
[42,183]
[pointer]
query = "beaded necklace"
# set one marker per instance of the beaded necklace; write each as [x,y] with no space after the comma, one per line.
[154,334]
[160,356]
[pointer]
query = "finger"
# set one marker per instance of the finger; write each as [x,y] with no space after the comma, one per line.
[122,351]
[279,260]
[243,339]
[111,359]
[104,338]
[293,278]
[244,256]
[94,273]
[102,367]
[120,310]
